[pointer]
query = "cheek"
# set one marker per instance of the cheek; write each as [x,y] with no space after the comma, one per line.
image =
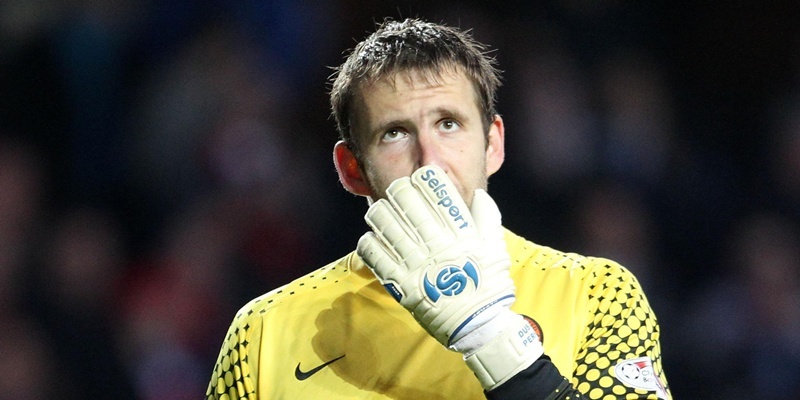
[380,173]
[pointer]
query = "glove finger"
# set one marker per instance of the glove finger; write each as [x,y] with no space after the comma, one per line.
[411,205]
[380,259]
[486,215]
[443,197]
[394,233]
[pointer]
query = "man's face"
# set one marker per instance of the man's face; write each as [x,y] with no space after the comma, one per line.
[406,121]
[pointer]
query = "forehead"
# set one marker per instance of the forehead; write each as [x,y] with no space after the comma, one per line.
[415,78]
[381,91]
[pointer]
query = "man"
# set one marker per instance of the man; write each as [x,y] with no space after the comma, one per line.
[439,301]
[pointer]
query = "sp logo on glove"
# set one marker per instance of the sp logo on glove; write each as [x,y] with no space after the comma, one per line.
[444,262]
[451,280]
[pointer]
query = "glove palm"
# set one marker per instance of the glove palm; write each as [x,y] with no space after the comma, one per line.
[447,264]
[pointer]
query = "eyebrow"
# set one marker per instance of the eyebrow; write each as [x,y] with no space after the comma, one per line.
[440,112]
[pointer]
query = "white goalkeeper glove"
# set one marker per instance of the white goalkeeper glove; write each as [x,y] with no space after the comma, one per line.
[448,266]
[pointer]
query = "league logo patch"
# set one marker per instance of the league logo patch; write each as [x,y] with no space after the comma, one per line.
[451,280]
[638,373]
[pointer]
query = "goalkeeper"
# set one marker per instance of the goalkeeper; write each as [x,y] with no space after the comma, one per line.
[438,301]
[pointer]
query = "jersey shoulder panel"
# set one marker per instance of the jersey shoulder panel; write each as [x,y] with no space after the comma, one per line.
[237,368]
[529,255]
[319,279]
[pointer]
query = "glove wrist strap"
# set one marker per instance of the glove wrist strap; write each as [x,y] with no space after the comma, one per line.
[513,350]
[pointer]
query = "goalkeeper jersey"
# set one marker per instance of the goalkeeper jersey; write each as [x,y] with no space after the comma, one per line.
[337,334]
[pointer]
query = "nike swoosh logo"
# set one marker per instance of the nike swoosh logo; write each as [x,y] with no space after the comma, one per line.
[303,375]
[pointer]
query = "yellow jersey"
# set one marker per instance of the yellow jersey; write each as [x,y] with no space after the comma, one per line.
[337,334]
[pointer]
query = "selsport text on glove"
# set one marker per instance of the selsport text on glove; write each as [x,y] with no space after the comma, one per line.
[448,266]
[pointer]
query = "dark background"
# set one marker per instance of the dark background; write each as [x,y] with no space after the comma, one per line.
[161,163]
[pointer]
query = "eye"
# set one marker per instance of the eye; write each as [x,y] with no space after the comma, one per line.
[393,135]
[449,125]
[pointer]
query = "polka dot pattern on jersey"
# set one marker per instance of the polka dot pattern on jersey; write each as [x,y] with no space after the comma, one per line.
[623,328]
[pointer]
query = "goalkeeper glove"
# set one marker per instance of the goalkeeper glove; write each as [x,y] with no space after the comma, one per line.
[448,265]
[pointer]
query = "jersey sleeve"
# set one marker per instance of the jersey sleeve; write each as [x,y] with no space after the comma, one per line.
[620,354]
[236,370]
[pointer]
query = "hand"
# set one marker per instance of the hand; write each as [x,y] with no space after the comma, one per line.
[448,265]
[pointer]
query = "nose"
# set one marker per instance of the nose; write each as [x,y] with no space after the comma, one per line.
[429,150]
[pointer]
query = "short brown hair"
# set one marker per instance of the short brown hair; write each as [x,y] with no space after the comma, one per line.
[412,44]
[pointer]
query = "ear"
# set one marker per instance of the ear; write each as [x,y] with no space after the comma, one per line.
[349,171]
[495,146]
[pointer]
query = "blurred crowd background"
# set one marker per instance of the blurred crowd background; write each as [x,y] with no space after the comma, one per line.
[163,162]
